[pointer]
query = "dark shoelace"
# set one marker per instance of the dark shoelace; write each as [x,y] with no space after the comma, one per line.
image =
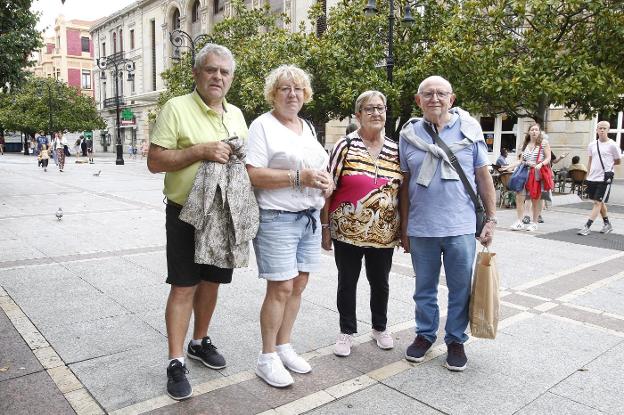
[178,372]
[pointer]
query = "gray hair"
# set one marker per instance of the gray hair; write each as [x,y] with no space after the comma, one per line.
[213,49]
[365,97]
[434,78]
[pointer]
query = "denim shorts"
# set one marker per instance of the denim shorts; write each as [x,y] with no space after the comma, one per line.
[287,243]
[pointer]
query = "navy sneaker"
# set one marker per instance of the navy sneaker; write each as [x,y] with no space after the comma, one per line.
[526,220]
[178,386]
[207,353]
[416,351]
[540,219]
[456,358]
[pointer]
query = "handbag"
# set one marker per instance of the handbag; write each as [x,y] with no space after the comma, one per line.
[479,209]
[484,309]
[518,178]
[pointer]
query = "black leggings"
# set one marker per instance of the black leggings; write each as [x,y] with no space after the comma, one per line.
[378,262]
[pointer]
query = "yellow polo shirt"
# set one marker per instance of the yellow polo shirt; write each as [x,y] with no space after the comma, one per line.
[185,121]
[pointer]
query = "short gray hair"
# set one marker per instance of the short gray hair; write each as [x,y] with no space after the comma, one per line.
[365,97]
[434,78]
[213,49]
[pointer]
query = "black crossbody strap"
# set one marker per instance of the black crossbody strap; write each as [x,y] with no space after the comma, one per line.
[455,163]
[599,155]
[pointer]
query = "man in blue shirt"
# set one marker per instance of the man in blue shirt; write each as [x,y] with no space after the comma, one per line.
[438,216]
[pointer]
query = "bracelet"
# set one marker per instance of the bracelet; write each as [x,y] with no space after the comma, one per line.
[298,179]
[291,179]
[491,219]
[324,225]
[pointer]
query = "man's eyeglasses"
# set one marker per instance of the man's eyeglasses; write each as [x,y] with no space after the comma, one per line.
[370,110]
[441,94]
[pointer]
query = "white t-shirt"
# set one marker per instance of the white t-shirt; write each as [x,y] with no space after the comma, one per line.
[273,145]
[609,152]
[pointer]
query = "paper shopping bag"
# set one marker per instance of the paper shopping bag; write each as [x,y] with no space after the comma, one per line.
[485,298]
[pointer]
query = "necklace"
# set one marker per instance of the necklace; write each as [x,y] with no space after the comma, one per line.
[374,159]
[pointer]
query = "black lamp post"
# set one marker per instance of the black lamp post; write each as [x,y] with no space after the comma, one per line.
[116,61]
[371,9]
[49,86]
[178,38]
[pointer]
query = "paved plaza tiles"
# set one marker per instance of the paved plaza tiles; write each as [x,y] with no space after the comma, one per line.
[82,327]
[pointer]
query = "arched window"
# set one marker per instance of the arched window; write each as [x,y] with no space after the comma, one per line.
[114,42]
[195,12]
[218,6]
[175,21]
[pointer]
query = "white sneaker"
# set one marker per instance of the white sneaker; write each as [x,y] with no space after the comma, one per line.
[343,345]
[517,226]
[272,371]
[383,338]
[292,360]
[531,227]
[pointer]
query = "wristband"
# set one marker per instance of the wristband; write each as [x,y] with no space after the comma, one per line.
[491,219]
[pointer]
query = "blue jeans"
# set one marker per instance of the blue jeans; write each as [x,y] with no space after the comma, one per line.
[458,254]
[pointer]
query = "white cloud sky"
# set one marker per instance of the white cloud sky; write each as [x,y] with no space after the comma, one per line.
[75,9]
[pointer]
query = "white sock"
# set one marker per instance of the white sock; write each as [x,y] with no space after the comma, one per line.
[265,357]
[180,359]
[282,347]
[196,342]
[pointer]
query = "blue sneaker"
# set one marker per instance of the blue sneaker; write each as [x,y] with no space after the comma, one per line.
[416,351]
[456,358]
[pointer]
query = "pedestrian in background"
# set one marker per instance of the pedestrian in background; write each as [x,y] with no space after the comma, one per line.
[603,155]
[45,157]
[59,147]
[90,150]
[288,168]
[438,215]
[361,218]
[190,129]
[2,144]
[535,154]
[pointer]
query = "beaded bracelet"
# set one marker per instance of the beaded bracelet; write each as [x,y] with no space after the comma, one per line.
[298,180]
[291,179]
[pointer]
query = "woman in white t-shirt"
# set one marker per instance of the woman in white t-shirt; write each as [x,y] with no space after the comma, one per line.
[535,154]
[288,168]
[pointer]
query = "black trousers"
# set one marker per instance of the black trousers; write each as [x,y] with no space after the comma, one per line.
[378,262]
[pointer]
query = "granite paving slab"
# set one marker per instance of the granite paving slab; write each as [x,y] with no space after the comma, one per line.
[607,298]
[376,399]
[138,374]
[106,336]
[600,385]
[598,319]
[32,394]
[550,403]
[16,358]
[231,400]
[579,279]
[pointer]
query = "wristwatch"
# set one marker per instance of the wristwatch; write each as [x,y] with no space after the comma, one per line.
[491,219]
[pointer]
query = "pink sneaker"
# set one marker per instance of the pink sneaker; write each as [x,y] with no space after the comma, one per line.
[343,345]
[383,338]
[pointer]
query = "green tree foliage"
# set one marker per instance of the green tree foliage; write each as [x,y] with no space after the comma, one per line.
[29,109]
[18,39]
[521,56]
[502,56]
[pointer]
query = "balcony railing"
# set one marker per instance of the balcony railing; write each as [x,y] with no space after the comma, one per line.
[111,102]
[117,56]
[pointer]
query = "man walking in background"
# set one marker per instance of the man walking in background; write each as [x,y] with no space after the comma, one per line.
[603,154]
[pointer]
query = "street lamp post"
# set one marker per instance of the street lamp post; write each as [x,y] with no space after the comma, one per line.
[57,87]
[371,9]
[178,38]
[116,61]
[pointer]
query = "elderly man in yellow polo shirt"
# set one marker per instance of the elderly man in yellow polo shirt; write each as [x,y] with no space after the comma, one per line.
[189,130]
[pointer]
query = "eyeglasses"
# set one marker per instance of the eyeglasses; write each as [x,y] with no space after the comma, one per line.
[286,89]
[370,110]
[441,94]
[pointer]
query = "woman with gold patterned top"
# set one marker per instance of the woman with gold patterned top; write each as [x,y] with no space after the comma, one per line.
[361,218]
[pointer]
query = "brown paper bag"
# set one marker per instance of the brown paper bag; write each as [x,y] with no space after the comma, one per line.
[485,298]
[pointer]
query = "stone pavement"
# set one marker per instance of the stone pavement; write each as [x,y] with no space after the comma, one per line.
[82,327]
